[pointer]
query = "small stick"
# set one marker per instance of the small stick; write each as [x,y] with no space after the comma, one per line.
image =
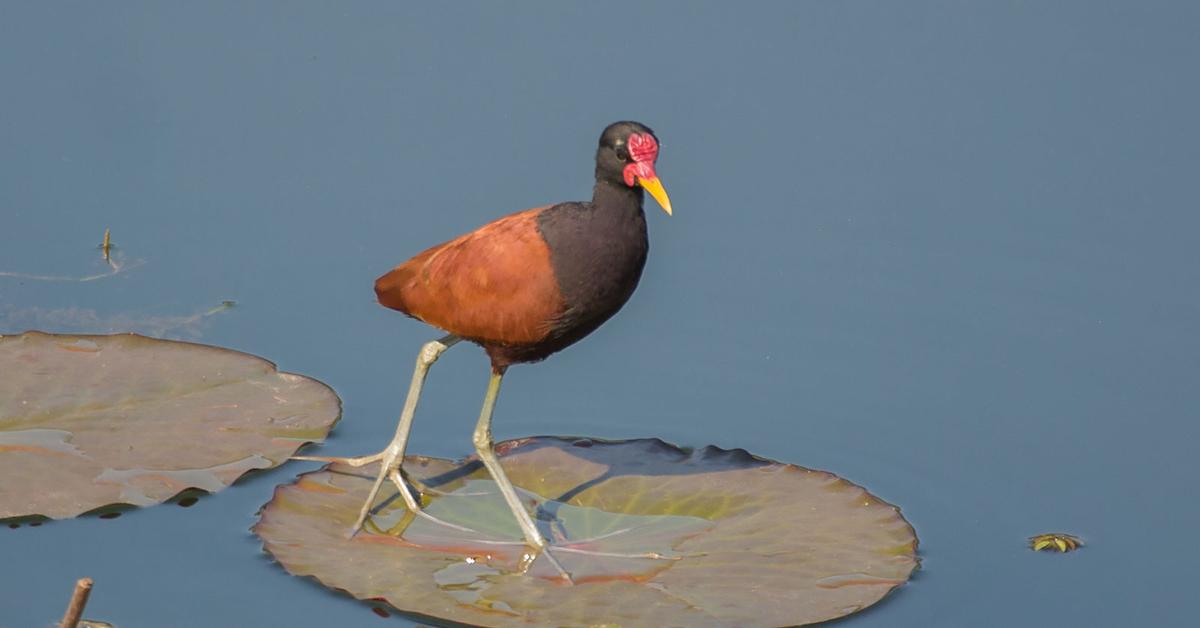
[83,588]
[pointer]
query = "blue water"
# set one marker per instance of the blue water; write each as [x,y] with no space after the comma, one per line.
[947,250]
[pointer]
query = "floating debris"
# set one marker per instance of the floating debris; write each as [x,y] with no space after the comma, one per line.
[110,254]
[1055,542]
[106,246]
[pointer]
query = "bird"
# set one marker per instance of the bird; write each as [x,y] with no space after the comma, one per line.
[524,287]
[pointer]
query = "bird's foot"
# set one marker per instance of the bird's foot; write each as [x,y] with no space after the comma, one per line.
[578,546]
[531,554]
[389,468]
[562,573]
[550,550]
[597,553]
[414,504]
[352,462]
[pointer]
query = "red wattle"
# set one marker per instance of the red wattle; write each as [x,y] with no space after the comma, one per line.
[638,169]
[643,148]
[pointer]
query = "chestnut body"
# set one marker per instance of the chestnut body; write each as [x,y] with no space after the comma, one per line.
[532,283]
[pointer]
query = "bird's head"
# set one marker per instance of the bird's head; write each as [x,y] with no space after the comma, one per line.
[626,156]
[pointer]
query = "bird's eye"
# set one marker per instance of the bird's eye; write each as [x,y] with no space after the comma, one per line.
[622,154]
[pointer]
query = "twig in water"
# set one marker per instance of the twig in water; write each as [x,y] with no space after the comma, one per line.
[83,588]
[106,246]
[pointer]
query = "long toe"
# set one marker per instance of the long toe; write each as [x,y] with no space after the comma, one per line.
[412,501]
[353,462]
[562,573]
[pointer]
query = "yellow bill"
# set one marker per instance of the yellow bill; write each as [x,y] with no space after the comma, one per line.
[655,188]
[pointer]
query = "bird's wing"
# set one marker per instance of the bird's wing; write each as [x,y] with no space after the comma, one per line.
[494,284]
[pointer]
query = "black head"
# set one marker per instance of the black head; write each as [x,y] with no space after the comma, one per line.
[626,156]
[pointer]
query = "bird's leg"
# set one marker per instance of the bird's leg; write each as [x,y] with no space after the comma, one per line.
[393,455]
[483,446]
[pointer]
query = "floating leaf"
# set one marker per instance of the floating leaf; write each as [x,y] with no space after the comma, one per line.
[652,535]
[88,421]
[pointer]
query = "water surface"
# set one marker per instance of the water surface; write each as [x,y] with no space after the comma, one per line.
[945,250]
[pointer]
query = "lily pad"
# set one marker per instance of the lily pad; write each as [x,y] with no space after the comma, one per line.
[91,421]
[651,534]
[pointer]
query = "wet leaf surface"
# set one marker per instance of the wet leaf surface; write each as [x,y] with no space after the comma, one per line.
[89,421]
[653,535]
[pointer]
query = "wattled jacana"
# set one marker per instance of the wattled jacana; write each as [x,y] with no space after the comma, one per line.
[523,287]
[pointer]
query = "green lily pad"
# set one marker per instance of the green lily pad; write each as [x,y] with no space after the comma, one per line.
[92,421]
[651,534]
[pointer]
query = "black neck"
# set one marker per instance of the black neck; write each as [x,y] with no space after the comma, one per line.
[617,195]
[597,251]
